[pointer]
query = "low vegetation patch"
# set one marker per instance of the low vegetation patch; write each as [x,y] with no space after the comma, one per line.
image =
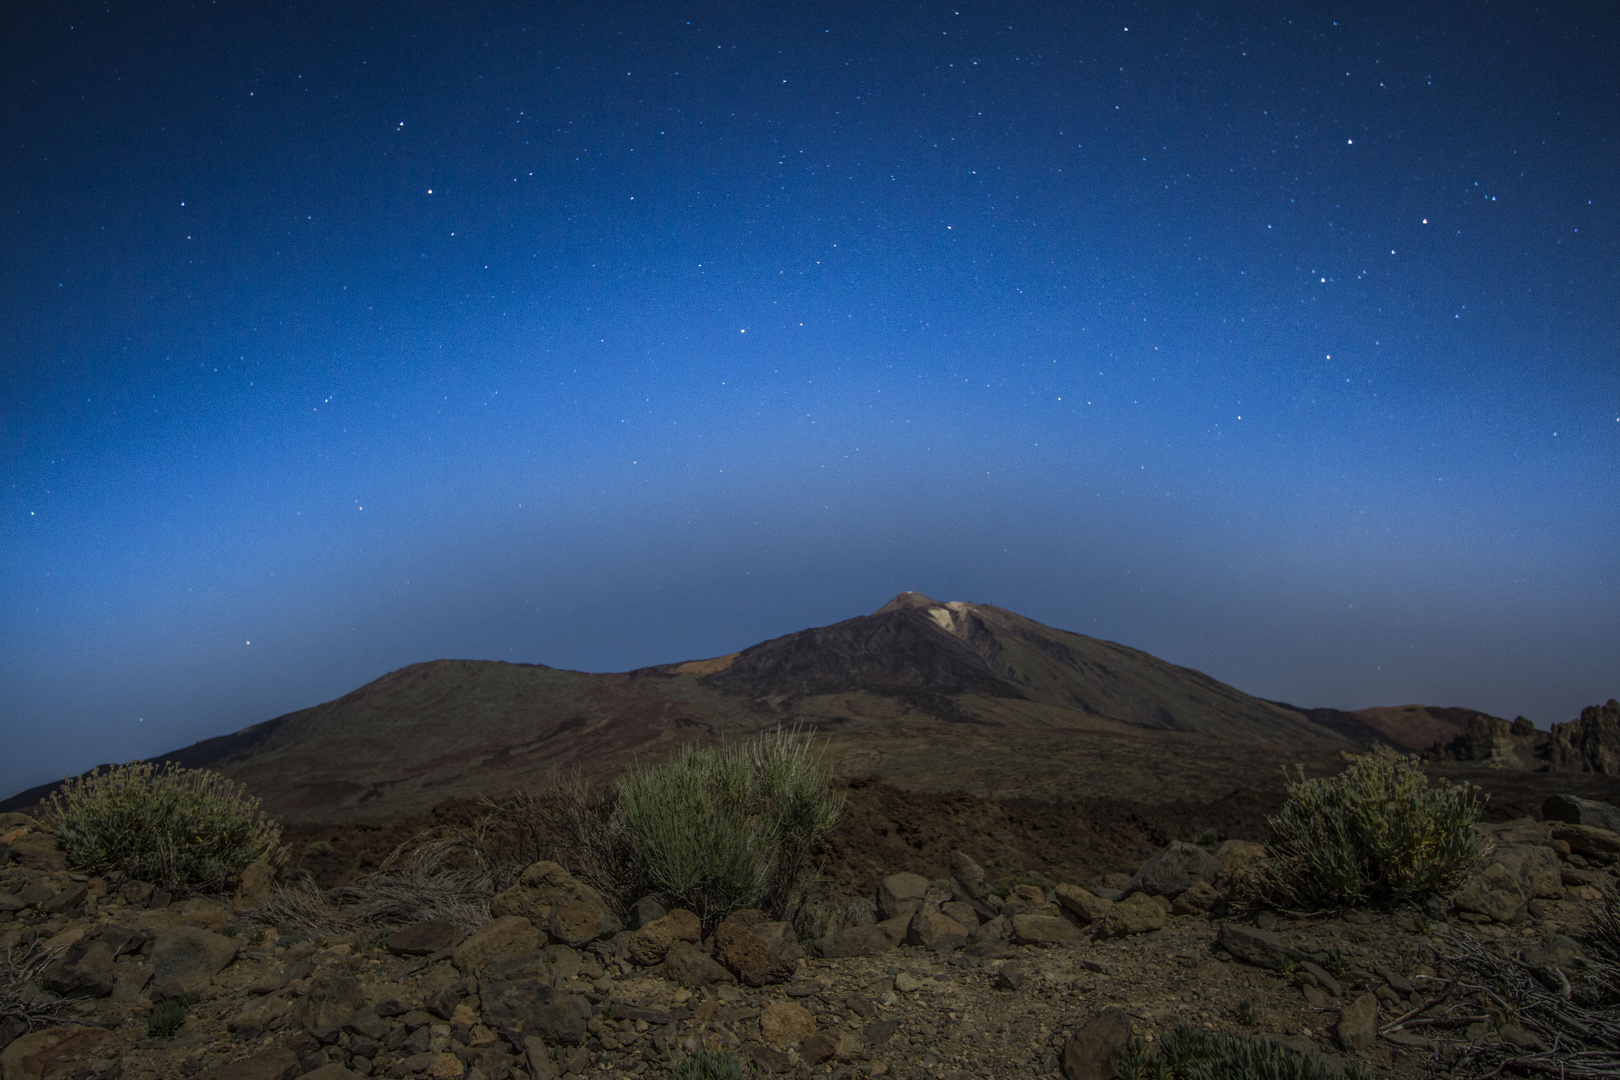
[718,829]
[1375,832]
[1194,1054]
[177,827]
[713,1065]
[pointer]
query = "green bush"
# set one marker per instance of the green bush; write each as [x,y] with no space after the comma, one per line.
[712,1065]
[167,1018]
[1375,832]
[178,827]
[718,829]
[1194,1054]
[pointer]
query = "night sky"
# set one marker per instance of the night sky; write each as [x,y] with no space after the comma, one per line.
[1279,341]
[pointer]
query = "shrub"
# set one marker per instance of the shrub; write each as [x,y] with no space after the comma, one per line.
[1376,831]
[167,1018]
[717,829]
[709,1064]
[178,827]
[1194,1054]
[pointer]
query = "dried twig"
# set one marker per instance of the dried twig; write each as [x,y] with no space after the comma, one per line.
[20,995]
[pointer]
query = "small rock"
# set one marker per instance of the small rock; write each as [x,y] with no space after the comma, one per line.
[1589,840]
[934,929]
[1199,899]
[1138,913]
[37,851]
[541,1064]
[1494,892]
[769,1059]
[424,938]
[647,909]
[1085,904]
[905,982]
[648,945]
[190,955]
[562,1019]
[1009,977]
[783,1024]
[507,934]
[582,918]
[742,951]
[1259,947]
[901,895]
[1049,929]
[70,899]
[275,1063]
[1358,1025]
[1323,977]
[968,875]
[253,888]
[816,1049]
[686,963]
[51,1053]
[878,1032]
[1094,1052]
[1234,855]
[1174,870]
[1514,1035]
[84,970]
[331,999]
[854,941]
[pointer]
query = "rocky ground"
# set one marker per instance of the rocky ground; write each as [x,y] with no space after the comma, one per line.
[924,976]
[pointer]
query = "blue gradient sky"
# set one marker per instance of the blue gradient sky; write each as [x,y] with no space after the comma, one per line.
[342,336]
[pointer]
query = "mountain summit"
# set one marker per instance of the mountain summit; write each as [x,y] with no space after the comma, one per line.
[929,695]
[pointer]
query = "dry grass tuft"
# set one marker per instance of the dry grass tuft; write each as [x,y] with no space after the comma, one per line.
[443,873]
[21,998]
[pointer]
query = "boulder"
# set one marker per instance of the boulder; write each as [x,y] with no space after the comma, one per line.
[820,908]
[686,963]
[1096,1049]
[648,945]
[1261,948]
[1138,913]
[190,955]
[509,933]
[901,895]
[424,938]
[854,941]
[1574,810]
[742,951]
[1048,929]
[935,930]
[201,911]
[1086,906]
[962,911]
[1589,840]
[1174,870]
[968,877]
[783,1024]
[647,909]
[84,970]
[1023,899]
[1358,1025]
[1494,891]
[51,1054]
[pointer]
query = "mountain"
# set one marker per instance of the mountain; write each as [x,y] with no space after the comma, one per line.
[932,696]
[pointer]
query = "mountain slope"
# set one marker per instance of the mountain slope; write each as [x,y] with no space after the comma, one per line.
[930,696]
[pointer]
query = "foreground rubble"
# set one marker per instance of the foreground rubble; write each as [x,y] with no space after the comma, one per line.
[928,978]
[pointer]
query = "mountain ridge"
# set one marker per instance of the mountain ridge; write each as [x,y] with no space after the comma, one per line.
[932,695]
